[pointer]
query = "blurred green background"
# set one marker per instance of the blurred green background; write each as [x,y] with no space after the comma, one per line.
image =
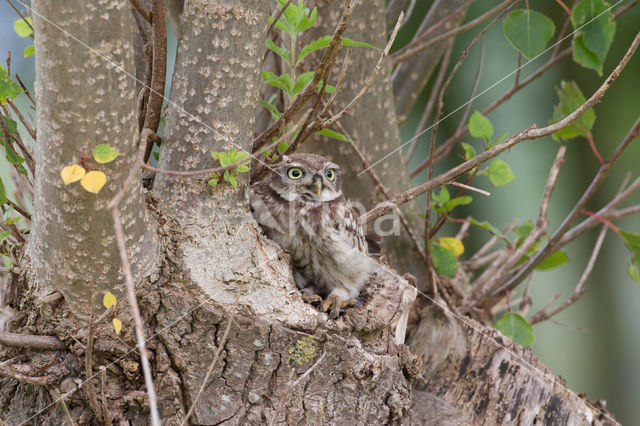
[595,344]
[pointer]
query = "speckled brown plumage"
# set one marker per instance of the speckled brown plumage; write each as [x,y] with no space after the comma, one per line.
[301,207]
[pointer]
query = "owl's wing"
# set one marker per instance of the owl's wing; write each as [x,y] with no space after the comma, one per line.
[259,199]
[348,229]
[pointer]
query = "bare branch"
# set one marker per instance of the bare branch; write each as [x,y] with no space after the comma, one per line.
[527,134]
[30,341]
[415,47]
[88,359]
[158,72]
[312,87]
[543,315]
[142,9]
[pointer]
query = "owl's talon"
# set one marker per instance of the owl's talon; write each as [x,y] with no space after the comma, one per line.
[334,304]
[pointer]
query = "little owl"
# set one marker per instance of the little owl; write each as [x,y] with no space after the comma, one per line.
[301,207]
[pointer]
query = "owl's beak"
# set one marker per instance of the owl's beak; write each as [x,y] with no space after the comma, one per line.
[317,184]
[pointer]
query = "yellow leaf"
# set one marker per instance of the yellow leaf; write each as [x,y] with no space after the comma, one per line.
[93,181]
[117,325]
[453,244]
[71,174]
[109,300]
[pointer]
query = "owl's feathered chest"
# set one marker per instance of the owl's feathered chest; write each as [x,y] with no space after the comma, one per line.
[324,239]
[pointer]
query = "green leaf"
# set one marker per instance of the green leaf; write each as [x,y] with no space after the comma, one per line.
[325,41]
[488,227]
[22,28]
[458,201]
[282,147]
[595,28]
[631,240]
[306,21]
[555,259]
[317,44]
[12,126]
[634,269]
[281,51]
[242,168]
[499,138]
[332,134]
[500,173]
[444,260]
[282,25]
[28,51]
[523,231]
[469,151]
[570,98]
[232,179]
[4,235]
[348,42]
[8,217]
[480,126]
[302,80]
[214,179]
[103,153]
[14,158]
[281,81]
[442,197]
[8,88]
[517,328]
[275,114]
[528,31]
[3,194]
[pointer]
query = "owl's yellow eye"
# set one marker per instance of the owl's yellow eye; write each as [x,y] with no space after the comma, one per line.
[330,174]
[295,173]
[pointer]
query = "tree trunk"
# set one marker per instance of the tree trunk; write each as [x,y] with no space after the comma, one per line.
[85,97]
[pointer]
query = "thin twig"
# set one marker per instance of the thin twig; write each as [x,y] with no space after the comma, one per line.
[59,397]
[26,91]
[543,315]
[88,358]
[363,91]
[470,188]
[517,276]
[23,120]
[492,276]
[30,341]
[24,18]
[158,72]
[413,49]
[277,16]
[435,89]
[126,267]
[311,88]
[142,9]
[209,371]
[105,409]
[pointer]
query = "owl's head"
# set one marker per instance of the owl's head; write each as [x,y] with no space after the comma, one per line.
[308,177]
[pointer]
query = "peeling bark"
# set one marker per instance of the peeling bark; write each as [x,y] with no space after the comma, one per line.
[84,101]
[474,375]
